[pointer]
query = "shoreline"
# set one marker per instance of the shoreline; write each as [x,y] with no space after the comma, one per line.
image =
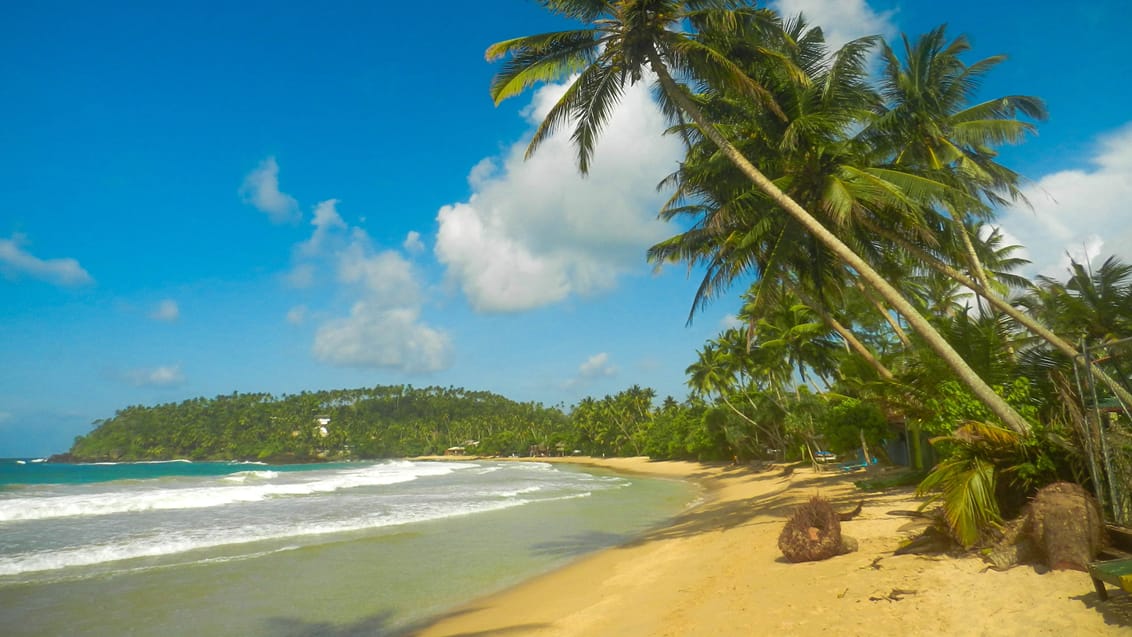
[715,569]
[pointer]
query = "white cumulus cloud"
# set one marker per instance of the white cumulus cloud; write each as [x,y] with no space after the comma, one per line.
[16,262]
[261,190]
[840,20]
[534,232]
[325,221]
[1078,212]
[374,335]
[384,328]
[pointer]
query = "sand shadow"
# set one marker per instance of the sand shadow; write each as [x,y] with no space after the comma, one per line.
[581,544]
[382,624]
[1117,610]
[377,625]
[772,507]
[500,630]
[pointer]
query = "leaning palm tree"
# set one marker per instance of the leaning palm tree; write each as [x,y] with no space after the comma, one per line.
[624,40]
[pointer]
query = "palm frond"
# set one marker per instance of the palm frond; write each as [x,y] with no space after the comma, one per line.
[541,58]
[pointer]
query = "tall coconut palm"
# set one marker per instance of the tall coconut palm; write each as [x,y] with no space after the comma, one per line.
[814,156]
[627,38]
[930,122]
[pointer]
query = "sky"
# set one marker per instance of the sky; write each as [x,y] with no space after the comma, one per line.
[202,198]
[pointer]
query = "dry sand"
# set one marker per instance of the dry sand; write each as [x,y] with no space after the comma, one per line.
[717,570]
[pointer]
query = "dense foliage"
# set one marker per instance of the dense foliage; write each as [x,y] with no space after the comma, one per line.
[377,422]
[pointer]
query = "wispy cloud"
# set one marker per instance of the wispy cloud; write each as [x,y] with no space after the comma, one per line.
[261,190]
[16,262]
[535,232]
[164,376]
[166,310]
[413,243]
[597,366]
[297,315]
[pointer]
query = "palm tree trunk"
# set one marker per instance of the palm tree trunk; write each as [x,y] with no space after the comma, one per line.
[972,256]
[850,338]
[757,426]
[857,346]
[890,294]
[901,335]
[1001,304]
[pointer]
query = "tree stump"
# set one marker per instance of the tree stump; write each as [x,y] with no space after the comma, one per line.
[813,533]
[1065,525]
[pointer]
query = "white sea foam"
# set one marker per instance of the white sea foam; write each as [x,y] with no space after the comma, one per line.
[220,493]
[166,544]
[244,476]
[61,532]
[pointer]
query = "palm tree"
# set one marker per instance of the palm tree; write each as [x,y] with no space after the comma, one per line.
[627,38]
[724,369]
[930,123]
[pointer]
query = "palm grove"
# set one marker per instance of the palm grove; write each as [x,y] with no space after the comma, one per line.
[812,179]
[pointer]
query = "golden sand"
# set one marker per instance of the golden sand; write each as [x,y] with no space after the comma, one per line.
[716,571]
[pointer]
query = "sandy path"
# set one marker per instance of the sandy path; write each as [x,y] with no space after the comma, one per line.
[717,570]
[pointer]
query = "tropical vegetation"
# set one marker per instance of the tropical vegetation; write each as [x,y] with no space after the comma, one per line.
[814,183]
[813,179]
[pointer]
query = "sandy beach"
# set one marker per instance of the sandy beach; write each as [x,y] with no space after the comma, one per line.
[716,570]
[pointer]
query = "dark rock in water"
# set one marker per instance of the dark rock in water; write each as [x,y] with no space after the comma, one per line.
[813,533]
[1065,525]
[63,458]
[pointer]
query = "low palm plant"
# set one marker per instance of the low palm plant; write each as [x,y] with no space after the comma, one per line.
[986,469]
[965,482]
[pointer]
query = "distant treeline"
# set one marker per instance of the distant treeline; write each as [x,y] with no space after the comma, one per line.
[397,421]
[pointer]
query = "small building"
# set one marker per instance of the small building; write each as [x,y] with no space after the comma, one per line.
[322,429]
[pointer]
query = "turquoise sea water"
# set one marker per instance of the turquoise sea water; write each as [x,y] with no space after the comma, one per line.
[342,549]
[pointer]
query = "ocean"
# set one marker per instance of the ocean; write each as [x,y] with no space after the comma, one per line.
[367,548]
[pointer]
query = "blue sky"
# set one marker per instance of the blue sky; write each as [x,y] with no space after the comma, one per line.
[203,198]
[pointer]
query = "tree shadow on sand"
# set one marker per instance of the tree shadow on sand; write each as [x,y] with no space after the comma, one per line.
[379,625]
[772,507]
[1117,611]
[769,508]
[581,543]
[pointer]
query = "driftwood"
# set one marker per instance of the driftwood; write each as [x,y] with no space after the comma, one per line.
[1061,528]
[851,514]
